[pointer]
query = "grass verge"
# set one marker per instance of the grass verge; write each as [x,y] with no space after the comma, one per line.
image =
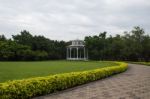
[142,63]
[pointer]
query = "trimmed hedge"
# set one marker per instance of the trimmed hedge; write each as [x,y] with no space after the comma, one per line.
[27,88]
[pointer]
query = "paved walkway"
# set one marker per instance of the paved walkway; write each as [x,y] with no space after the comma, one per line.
[132,84]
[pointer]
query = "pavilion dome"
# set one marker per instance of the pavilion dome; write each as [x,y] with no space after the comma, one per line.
[77,42]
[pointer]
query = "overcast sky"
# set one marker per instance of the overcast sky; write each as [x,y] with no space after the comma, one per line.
[73,19]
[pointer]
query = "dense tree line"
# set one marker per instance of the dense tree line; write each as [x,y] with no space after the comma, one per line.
[132,46]
[25,46]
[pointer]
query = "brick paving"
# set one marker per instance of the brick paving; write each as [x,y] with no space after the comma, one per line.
[132,84]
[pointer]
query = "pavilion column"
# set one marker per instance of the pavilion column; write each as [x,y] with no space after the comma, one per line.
[67,53]
[70,52]
[77,52]
[74,53]
[84,52]
[80,53]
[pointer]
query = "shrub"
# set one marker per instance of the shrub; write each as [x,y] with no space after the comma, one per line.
[27,88]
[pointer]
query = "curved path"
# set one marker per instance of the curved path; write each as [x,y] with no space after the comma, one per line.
[132,84]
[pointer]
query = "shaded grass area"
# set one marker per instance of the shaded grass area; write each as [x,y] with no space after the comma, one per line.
[21,70]
[142,63]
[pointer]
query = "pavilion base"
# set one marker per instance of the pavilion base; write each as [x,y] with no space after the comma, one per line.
[85,59]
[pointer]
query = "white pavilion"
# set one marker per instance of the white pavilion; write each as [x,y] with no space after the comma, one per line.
[77,51]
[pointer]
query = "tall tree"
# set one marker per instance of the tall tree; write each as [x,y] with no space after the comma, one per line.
[2,38]
[24,38]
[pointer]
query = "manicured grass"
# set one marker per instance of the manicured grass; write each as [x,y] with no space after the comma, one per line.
[142,63]
[21,70]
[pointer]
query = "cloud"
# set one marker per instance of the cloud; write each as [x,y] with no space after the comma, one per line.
[72,19]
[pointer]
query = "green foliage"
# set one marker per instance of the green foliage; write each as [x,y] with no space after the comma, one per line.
[2,38]
[24,38]
[25,46]
[132,46]
[22,89]
[10,50]
[49,48]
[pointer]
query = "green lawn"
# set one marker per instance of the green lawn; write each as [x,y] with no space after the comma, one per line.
[142,63]
[21,70]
